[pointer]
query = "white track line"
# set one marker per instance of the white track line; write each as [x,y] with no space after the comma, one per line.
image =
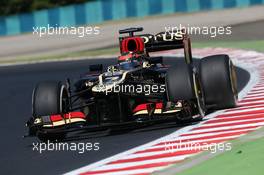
[258,120]
[155,153]
[254,98]
[252,128]
[216,133]
[229,127]
[237,116]
[131,172]
[173,144]
[234,111]
[246,107]
[248,103]
[160,160]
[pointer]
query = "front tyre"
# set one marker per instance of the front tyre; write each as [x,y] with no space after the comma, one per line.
[49,98]
[179,83]
[183,84]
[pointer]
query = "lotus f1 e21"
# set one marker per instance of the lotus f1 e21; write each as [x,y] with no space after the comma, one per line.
[181,93]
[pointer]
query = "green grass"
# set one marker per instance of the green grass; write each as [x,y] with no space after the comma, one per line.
[245,158]
[247,45]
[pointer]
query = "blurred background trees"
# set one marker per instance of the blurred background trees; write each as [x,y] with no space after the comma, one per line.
[8,7]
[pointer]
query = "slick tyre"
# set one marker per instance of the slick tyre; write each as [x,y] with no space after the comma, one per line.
[182,83]
[49,98]
[219,81]
[179,83]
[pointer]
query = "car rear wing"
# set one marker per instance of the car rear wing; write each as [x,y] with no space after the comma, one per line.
[168,41]
[163,41]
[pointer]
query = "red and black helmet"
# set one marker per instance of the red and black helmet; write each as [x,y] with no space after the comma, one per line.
[132,44]
[131,47]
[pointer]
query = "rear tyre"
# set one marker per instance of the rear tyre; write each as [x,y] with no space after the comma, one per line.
[49,98]
[219,81]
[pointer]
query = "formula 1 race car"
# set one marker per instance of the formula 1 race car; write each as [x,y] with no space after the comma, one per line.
[137,91]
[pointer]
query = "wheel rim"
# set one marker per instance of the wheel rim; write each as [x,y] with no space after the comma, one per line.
[199,95]
[64,101]
[233,80]
[32,103]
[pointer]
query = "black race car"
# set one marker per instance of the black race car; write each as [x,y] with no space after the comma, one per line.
[137,91]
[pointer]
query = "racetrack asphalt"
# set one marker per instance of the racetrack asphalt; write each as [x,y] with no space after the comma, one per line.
[17,156]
